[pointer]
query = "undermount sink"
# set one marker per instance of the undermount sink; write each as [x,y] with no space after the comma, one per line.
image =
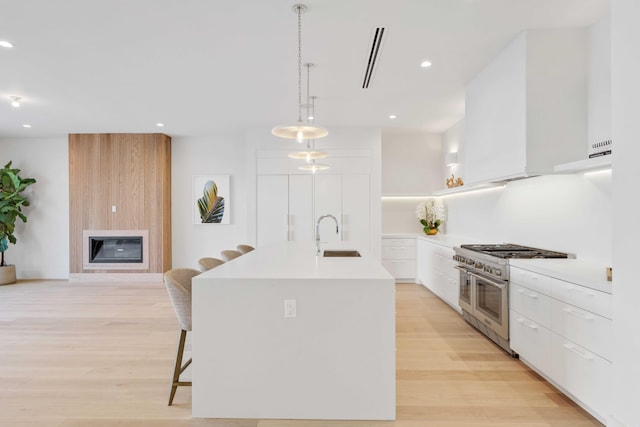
[341,253]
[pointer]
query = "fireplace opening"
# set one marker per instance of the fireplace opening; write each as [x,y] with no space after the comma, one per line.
[115,249]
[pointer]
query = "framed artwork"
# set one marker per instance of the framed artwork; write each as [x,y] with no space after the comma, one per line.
[211,199]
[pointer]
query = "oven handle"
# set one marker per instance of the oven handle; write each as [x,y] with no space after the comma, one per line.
[491,282]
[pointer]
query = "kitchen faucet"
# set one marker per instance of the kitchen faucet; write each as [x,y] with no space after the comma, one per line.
[318,230]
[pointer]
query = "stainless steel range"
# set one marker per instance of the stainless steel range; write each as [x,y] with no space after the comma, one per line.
[484,285]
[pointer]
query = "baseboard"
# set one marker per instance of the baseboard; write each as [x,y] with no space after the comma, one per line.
[115,277]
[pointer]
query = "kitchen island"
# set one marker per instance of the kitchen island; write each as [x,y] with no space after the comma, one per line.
[282,333]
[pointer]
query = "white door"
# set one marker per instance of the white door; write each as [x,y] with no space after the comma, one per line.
[273,209]
[328,200]
[356,212]
[301,208]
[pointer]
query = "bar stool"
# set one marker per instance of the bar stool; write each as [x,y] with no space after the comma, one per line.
[178,283]
[230,254]
[207,263]
[245,248]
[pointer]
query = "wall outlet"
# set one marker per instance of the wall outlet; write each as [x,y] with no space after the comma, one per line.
[114,209]
[290,311]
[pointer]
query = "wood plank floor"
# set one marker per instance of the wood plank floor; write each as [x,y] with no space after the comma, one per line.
[76,354]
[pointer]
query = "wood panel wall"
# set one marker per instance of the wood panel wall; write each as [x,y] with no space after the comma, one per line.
[130,171]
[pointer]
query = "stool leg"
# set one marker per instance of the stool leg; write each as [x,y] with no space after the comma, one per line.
[177,369]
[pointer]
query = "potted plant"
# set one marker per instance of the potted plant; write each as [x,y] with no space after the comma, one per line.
[431,215]
[11,204]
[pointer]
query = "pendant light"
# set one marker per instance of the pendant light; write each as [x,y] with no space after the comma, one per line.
[310,153]
[299,131]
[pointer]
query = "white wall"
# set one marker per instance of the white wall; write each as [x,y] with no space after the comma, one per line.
[411,165]
[625,33]
[569,213]
[42,250]
[223,154]
[453,142]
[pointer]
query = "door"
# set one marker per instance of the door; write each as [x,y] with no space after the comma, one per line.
[328,200]
[273,209]
[491,304]
[356,212]
[301,208]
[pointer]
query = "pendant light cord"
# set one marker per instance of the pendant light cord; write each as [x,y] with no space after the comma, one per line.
[300,64]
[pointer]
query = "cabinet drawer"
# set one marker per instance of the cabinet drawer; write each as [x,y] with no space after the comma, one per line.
[399,252]
[399,242]
[538,282]
[582,373]
[531,341]
[533,304]
[400,269]
[583,327]
[582,297]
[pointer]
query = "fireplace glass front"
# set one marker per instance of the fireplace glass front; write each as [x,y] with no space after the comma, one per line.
[115,249]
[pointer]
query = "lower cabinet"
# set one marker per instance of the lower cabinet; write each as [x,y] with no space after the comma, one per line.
[559,328]
[399,257]
[435,270]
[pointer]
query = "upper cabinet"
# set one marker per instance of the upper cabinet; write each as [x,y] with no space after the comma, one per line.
[526,111]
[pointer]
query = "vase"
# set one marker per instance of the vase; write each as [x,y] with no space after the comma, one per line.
[432,231]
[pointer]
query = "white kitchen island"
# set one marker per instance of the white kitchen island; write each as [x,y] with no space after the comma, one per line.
[334,360]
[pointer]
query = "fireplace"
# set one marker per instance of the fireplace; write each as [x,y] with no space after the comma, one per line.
[115,249]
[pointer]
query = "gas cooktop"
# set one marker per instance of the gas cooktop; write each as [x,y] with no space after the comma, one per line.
[509,250]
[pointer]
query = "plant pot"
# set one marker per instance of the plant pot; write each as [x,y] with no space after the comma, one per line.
[7,274]
[432,231]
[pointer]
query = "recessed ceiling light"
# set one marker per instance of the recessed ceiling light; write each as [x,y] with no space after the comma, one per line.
[160,125]
[425,64]
[26,126]
[393,116]
[4,43]
[15,101]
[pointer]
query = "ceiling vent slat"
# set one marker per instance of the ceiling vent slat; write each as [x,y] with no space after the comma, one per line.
[373,56]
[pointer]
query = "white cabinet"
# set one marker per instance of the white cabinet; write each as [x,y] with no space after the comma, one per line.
[527,109]
[300,208]
[289,205]
[399,257]
[435,270]
[273,196]
[563,330]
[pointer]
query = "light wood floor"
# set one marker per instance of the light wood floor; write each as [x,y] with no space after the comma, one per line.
[76,354]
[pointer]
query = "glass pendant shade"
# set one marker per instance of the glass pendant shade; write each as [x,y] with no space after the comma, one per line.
[308,155]
[314,167]
[299,132]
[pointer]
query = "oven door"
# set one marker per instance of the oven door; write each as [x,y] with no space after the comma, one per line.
[491,303]
[466,290]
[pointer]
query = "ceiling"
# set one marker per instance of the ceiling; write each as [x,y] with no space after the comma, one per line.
[206,66]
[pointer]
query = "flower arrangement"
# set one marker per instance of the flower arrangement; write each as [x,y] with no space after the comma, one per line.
[431,214]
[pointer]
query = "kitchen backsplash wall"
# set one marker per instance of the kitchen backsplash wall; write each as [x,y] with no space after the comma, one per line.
[569,213]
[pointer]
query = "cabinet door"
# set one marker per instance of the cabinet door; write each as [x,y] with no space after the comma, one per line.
[356,212]
[301,208]
[328,200]
[273,209]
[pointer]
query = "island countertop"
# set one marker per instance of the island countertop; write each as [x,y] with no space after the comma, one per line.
[299,260]
[330,357]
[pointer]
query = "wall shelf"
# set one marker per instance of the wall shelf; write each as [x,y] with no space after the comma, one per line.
[602,162]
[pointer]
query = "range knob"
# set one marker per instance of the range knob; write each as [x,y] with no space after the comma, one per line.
[488,269]
[470,262]
[498,273]
[479,265]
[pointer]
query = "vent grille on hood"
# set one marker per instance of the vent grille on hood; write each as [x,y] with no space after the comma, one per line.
[373,56]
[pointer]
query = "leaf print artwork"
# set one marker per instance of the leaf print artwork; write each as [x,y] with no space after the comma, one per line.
[211,205]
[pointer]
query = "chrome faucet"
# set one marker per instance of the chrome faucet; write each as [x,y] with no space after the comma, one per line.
[318,230]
